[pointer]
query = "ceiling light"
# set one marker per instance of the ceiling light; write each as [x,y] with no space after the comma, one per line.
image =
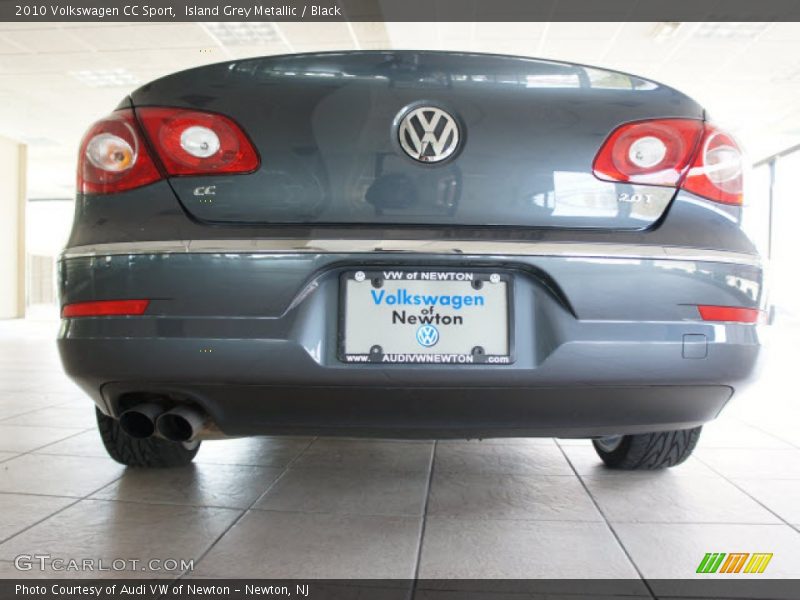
[106,78]
[788,75]
[730,30]
[237,34]
[666,30]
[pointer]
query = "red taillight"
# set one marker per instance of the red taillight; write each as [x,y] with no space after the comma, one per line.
[649,152]
[717,171]
[104,308]
[730,313]
[113,157]
[191,142]
[685,153]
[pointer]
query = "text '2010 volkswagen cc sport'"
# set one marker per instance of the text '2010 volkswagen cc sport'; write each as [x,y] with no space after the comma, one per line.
[408,244]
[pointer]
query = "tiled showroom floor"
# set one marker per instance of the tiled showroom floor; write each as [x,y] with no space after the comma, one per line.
[303,507]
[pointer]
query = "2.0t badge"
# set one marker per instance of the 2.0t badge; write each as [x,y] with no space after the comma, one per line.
[429,134]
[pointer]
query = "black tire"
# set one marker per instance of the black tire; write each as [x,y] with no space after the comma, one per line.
[152,452]
[647,451]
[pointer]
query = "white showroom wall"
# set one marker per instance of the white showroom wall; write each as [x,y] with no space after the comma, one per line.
[12,228]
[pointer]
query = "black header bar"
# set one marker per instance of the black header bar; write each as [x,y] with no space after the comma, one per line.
[397,10]
[395,589]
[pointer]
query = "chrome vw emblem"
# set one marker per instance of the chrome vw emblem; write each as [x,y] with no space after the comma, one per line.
[429,134]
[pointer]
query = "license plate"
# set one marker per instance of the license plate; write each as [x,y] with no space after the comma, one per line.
[425,317]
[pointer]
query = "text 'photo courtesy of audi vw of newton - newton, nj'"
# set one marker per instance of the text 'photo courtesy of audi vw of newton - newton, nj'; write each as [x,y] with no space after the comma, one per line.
[408,244]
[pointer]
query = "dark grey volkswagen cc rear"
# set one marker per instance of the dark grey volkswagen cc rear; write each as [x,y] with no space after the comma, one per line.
[408,244]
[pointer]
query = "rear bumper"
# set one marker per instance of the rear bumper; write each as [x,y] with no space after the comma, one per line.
[251,387]
[599,385]
[443,412]
[602,345]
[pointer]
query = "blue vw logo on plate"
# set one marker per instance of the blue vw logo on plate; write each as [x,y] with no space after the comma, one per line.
[427,335]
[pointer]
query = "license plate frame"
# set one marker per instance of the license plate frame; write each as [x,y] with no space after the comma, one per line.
[378,356]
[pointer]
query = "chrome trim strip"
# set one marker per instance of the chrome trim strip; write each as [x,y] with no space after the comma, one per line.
[465,247]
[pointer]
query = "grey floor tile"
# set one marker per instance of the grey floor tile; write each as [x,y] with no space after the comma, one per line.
[7,455]
[344,438]
[57,475]
[257,451]
[78,416]
[660,496]
[10,411]
[18,511]
[17,387]
[477,457]
[374,455]
[524,442]
[779,422]
[8,571]
[230,486]
[779,495]
[34,570]
[586,462]
[753,463]
[37,385]
[493,496]
[475,549]
[110,530]
[87,443]
[674,551]
[729,433]
[15,404]
[349,492]
[18,438]
[53,394]
[29,401]
[301,545]
[574,442]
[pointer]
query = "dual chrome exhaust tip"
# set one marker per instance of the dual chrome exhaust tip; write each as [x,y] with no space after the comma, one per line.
[181,424]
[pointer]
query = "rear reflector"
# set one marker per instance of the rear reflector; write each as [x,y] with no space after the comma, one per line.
[105,308]
[731,313]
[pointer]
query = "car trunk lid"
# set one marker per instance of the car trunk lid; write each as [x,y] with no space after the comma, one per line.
[328,129]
